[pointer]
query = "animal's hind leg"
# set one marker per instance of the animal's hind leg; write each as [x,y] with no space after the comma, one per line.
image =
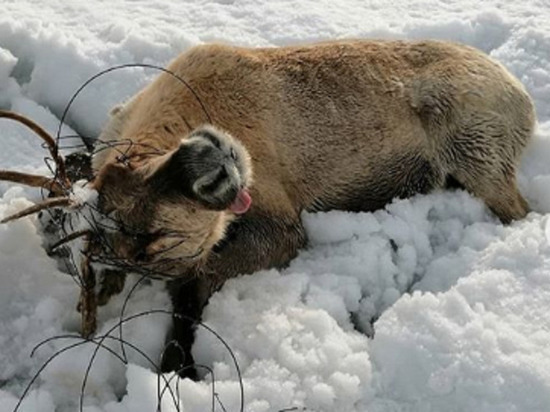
[477,139]
[502,197]
[488,171]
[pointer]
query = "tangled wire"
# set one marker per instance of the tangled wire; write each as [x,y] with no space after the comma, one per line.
[87,224]
[67,226]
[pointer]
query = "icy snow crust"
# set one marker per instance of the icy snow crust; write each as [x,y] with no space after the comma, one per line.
[460,303]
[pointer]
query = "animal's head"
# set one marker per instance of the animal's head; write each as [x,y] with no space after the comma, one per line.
[165,213]
[160,212]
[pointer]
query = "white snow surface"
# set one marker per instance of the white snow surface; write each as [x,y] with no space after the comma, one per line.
[457,302]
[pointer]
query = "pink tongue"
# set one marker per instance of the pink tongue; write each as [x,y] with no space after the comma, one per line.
[242,202]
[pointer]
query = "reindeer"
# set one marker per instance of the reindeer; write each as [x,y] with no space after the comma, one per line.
[219,166]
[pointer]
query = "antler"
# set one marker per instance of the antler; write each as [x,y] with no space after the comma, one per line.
[46,204]
[70,238]
[56,186]
[32,180]
[88,296]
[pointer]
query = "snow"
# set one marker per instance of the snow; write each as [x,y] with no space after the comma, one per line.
[428,305]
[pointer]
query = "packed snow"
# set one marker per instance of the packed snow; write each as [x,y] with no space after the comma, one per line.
[428,305]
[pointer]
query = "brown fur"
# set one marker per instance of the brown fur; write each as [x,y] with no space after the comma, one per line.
[345,125]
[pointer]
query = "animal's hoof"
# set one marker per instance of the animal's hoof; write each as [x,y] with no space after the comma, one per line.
[174,359]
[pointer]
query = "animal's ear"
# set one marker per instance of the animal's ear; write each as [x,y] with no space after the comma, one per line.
[203,169]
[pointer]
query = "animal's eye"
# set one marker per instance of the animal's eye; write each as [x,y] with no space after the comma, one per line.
[233,154]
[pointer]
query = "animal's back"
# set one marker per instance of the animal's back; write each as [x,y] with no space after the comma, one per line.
[350,125]
[346,125]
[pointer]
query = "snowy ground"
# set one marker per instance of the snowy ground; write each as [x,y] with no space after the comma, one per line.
[462,302]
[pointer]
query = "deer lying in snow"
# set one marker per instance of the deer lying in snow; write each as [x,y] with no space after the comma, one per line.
[220,166]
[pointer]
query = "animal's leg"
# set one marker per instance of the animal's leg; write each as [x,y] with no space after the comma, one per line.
[500,195]
[256,241]
[485,157]
[189,296]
